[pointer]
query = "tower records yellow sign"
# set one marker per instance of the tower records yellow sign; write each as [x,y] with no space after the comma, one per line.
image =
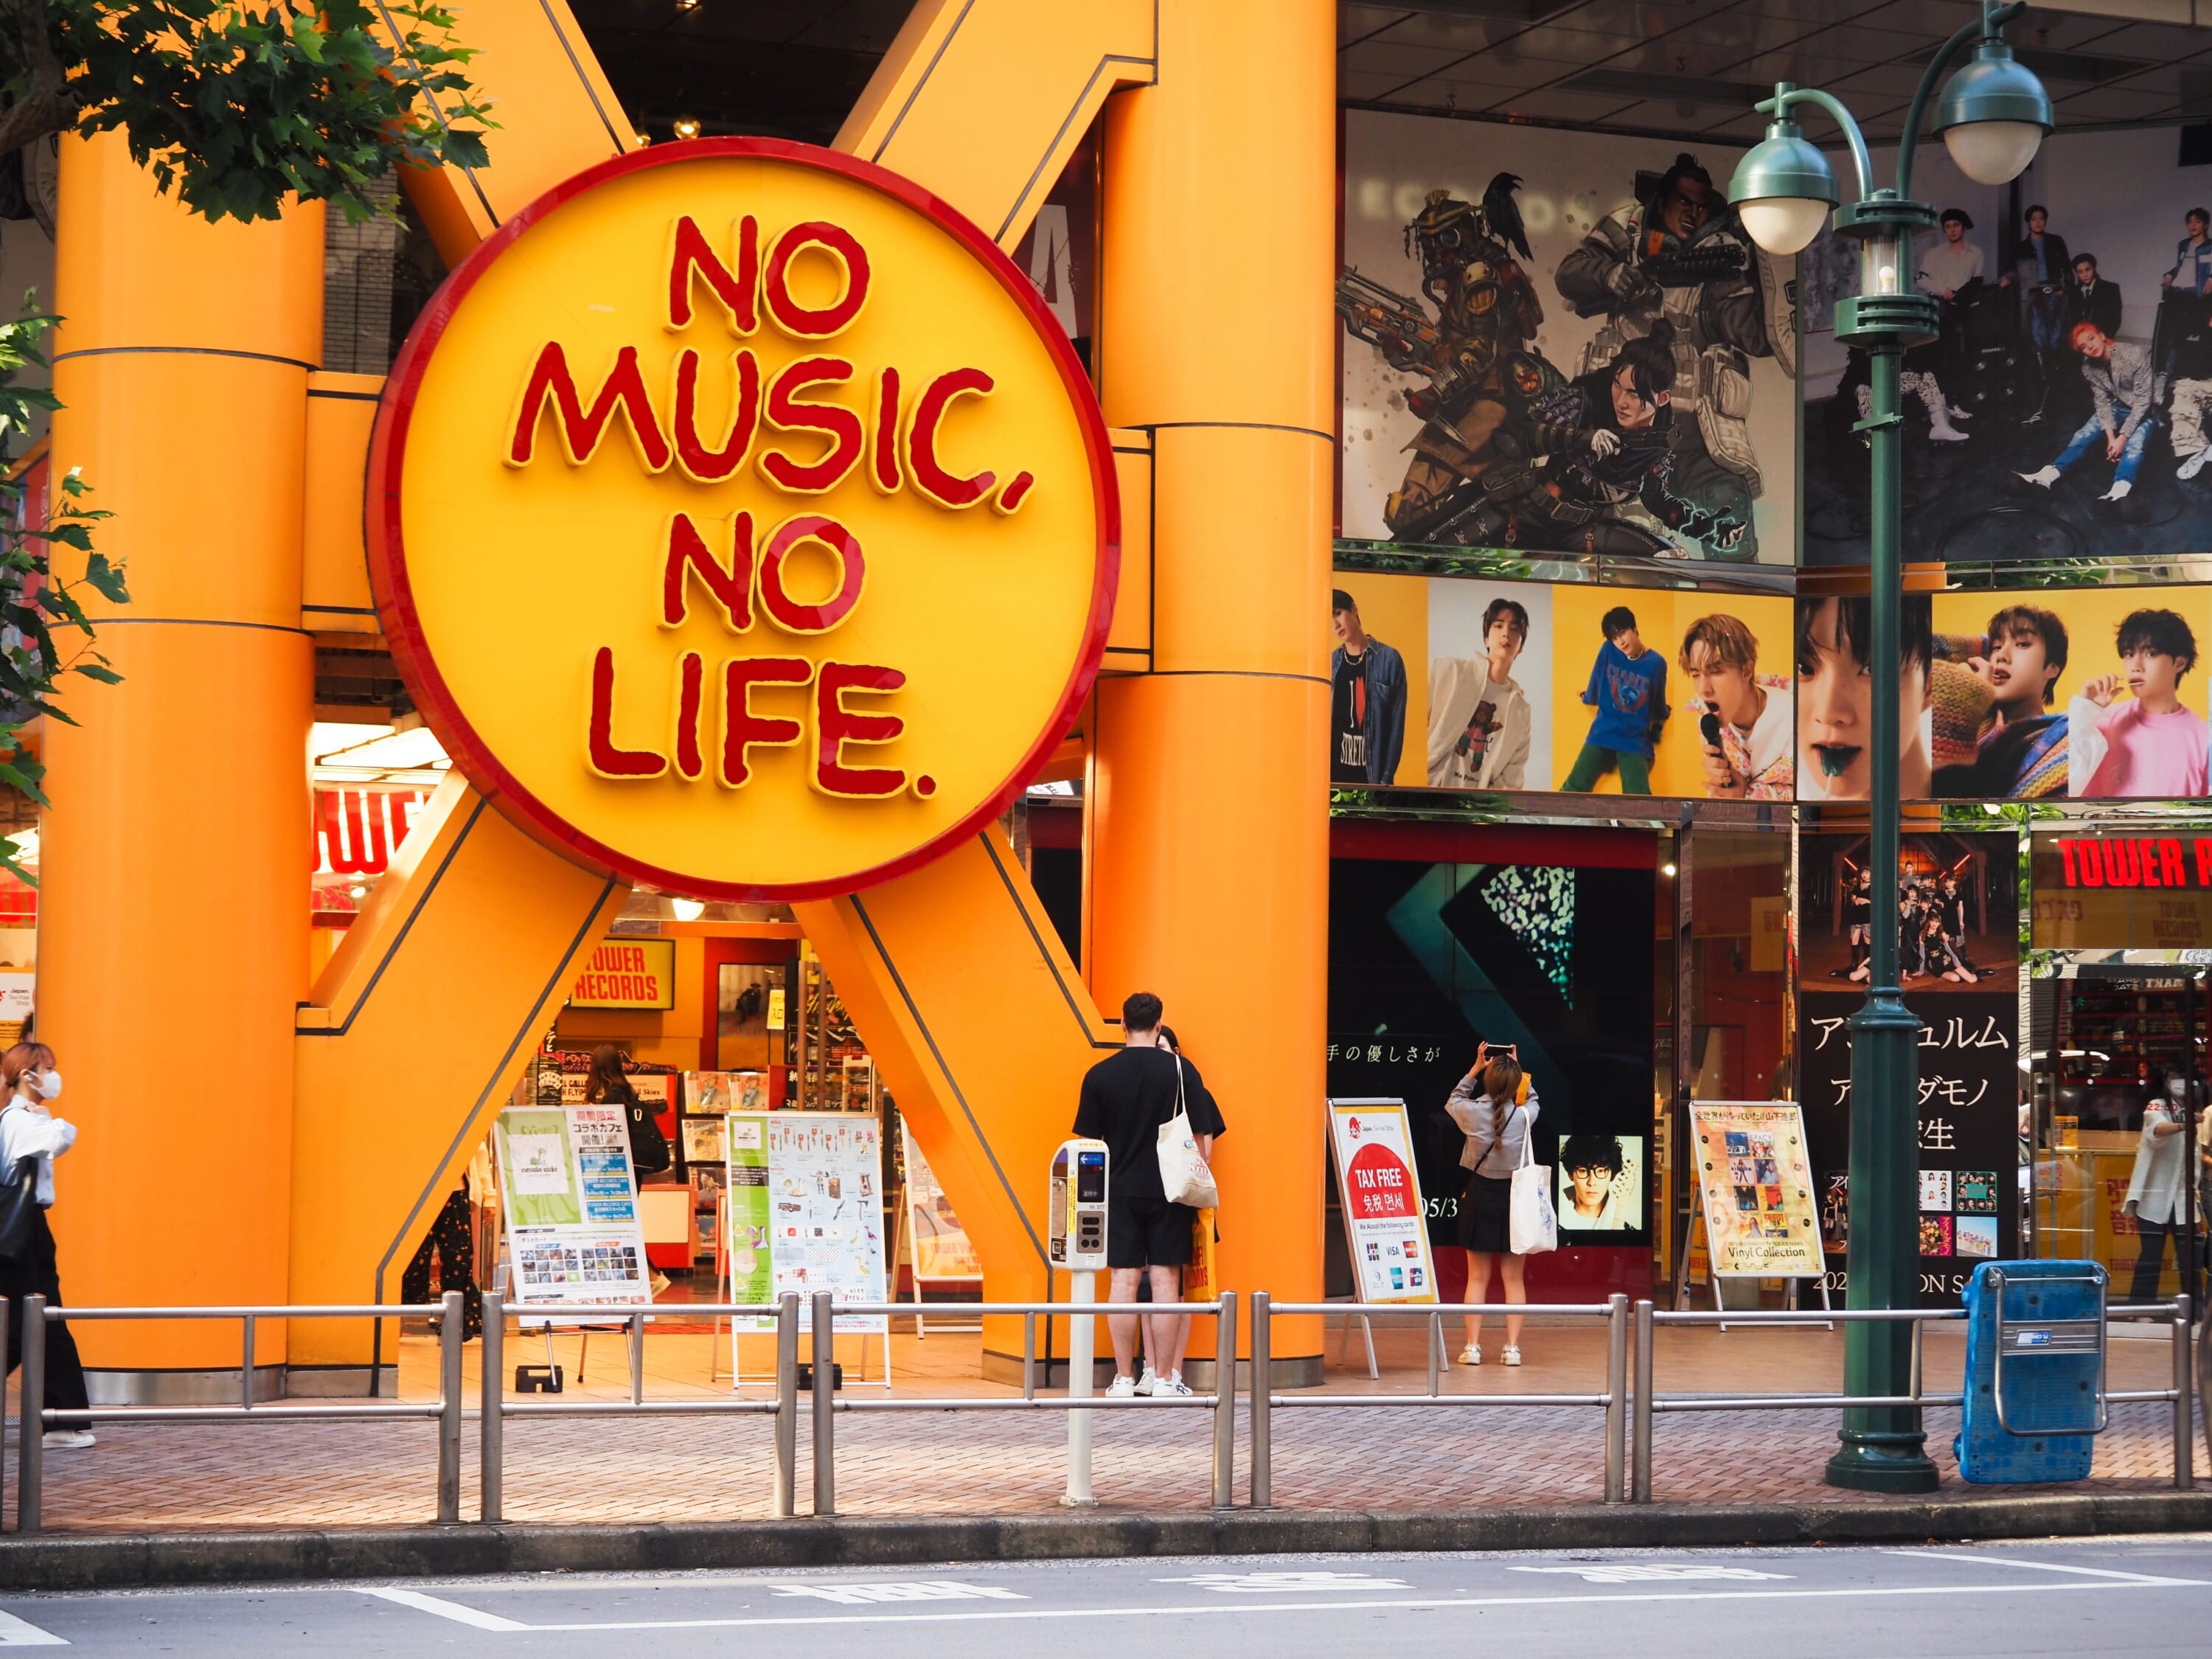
[742,523]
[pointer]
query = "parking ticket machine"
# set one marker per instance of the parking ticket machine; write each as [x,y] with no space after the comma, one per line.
[1077,1210]
[1076,1225]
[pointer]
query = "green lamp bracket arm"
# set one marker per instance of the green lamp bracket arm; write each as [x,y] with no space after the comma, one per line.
[1788,97]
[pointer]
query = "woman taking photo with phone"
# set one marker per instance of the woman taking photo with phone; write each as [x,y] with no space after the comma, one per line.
[1494,1106]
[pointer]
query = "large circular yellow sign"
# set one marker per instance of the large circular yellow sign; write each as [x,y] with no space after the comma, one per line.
[742,523]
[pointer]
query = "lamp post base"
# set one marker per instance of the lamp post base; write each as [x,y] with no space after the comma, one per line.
[1871,1462]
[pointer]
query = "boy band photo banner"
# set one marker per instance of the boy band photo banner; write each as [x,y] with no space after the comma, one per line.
[1459,683]
[1560,341]
[2093,693]
[1467,683]
[2062,412]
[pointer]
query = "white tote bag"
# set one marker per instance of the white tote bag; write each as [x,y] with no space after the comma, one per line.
[1532,1226]
[1183,1173]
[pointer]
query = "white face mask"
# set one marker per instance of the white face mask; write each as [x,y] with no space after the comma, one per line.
[2175,1088]
[48,1084]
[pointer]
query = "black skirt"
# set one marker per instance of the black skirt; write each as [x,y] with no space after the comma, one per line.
[1486,1215]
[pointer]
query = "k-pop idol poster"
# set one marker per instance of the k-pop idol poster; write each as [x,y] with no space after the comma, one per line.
[1561,343]
[2065,410]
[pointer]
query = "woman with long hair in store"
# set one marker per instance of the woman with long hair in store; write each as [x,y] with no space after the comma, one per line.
[1495,1109]
[29,1130]
[608,1086]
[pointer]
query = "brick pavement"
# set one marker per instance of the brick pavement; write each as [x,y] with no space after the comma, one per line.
[178,1476]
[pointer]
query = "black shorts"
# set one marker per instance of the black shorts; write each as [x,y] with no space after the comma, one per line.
[1147,1232]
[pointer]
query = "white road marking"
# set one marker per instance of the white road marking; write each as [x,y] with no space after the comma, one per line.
[19,1633]
[1635,1572]
[445,1609]
[1252,1583]
[2032,1566]
[903,1590]
[489,1622]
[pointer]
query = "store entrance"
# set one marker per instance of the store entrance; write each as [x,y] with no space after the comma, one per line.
[2118,1100]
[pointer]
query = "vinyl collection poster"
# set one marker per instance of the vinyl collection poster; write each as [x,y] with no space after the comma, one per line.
[574,1232]
[809,1185]
[1756,1180]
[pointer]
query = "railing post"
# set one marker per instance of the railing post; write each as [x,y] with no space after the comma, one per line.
[1028,1354]
[30,1478]
[1616,1393]
[1640,1424]
[3,1349]
[1434,1331]
[491,1427]
[825,1403]
[787,1404]
[1225,1403]
[1263,1386]
[637,1357]
[245,1362]
[2185,1416]
[449,1407]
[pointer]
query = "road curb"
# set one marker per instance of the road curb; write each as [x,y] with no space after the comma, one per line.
[112,1561]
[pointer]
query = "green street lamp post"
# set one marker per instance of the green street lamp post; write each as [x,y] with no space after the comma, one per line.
[1993,115]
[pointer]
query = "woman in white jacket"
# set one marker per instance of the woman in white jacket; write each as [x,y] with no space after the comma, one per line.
[29,1129]
[1491,1106]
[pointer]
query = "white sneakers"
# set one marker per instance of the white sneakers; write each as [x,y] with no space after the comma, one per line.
[2195,464]
[1471,1354]
[2046,478]
[1513,1356]
[66,1439]
[2118,492]
[1151,1385]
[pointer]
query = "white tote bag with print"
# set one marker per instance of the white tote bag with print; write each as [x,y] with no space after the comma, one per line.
[1532,1226]
[1183,1173]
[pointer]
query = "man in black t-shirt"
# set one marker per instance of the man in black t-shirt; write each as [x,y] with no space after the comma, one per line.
[1126,1099]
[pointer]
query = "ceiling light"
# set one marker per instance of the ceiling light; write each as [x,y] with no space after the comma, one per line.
[687,909]
[687,126]
[391,751]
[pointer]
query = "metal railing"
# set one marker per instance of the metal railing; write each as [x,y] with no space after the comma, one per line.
[1649,1401]
[1629,1399]
[1266,1401]
[37,1416]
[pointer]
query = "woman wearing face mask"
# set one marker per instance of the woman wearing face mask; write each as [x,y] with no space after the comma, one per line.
[2154,1194]
[29,1129]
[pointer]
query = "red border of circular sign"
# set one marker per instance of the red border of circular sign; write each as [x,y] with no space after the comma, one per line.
[388,556]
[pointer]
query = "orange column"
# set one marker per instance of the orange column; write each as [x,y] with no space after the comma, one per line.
[1209,794]
[173,916]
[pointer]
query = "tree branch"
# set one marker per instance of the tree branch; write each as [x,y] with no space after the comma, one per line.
[49,102]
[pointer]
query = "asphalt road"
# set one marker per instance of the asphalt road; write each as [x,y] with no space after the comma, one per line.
[2109,1596]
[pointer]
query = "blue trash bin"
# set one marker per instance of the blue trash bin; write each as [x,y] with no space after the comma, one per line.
[2035,1371]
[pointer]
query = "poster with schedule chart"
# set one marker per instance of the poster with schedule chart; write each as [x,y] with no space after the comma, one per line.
[575,1235]
[1385,1223]
[806,1213]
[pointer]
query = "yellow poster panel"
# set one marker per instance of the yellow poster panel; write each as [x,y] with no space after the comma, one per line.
[1753,693]
[2030,697]
[1757,1184]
